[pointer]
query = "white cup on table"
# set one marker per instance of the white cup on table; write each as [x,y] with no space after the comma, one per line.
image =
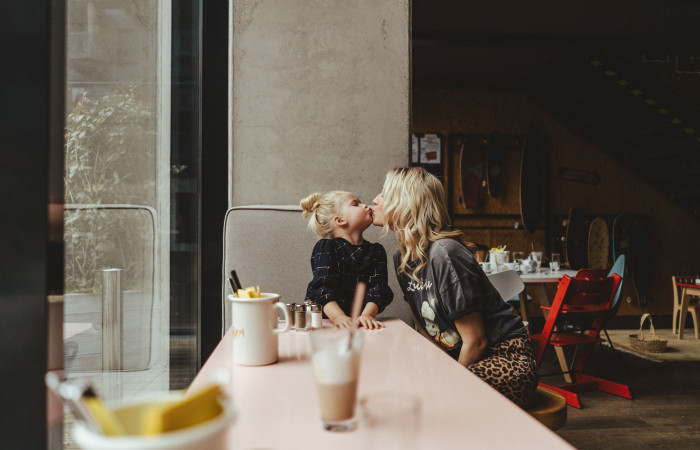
[253,326]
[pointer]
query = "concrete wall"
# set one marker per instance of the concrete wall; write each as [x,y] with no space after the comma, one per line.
[320,97]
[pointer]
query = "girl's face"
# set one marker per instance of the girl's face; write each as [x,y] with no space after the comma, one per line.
[378,210]
[357,214]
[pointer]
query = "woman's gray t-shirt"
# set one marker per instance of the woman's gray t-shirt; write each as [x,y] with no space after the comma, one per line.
[453,285]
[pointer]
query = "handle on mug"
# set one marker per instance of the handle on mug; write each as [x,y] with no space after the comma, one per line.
[287,319]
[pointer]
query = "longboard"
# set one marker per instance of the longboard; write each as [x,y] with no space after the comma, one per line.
[471,163]
[531,180]
[598,244]
[578,175]
[632,237]
[494,164]
[640,259]
[621,237]
[576,240]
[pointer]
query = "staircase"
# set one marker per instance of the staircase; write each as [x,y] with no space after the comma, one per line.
[630,115]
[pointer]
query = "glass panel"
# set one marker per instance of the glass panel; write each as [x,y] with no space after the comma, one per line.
[131,236]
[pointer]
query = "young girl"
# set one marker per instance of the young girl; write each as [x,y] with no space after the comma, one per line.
[342,258]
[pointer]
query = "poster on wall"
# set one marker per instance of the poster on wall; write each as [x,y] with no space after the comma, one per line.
[426,152]
[415,149]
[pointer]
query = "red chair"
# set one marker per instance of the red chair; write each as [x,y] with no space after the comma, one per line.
[592,274]
[591,297]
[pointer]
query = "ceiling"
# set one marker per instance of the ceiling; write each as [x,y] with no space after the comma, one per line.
[498,44]
[549,50]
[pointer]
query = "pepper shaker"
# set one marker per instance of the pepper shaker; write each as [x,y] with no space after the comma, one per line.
[300,317]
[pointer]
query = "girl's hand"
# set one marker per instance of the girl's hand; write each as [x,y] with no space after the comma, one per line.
[342,321]
[369,322]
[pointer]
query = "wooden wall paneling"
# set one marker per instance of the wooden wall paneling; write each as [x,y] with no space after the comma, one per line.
[460,111]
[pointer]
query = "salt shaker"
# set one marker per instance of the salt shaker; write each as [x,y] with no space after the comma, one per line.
[316,314]
[300,317]
[307,305]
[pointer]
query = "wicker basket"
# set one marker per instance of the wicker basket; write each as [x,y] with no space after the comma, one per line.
[650,343]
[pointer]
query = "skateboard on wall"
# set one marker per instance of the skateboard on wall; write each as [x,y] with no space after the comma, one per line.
[598,244]
[471,163]
[640,259]
[576,240]
[494,164]
[620,237]
[531,180]
[578,175]
[632,237]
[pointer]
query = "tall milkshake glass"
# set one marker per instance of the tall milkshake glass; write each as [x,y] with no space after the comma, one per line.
[337,369]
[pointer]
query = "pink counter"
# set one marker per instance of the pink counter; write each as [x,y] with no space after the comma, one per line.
[277,404]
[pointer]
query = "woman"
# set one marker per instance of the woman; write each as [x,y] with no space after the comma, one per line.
[452,301]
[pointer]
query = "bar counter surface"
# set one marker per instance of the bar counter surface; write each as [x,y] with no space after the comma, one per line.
[278,408]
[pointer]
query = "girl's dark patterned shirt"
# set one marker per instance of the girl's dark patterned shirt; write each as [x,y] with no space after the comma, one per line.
[338,265]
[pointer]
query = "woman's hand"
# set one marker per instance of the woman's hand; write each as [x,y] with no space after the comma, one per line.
[473,333]
[369,322]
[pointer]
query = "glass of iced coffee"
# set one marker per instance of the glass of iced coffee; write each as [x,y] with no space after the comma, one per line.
[336,359]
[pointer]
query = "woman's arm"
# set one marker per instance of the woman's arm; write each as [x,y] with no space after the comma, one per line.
[421,330]
[471,330]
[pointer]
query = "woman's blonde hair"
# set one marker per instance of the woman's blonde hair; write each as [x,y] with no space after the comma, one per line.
[416,210]
[323,207]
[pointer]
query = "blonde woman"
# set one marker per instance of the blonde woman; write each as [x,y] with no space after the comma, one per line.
[452,301]
[342,257]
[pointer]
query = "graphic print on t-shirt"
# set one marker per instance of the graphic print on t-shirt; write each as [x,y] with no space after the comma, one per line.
[448,338]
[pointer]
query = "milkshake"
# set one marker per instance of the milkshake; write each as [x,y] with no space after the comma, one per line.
[336,368]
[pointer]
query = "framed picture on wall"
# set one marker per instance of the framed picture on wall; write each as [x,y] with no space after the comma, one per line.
[426,152]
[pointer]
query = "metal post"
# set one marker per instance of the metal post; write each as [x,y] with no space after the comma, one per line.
[112,319]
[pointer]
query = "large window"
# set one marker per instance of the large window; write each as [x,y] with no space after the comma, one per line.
[132,193]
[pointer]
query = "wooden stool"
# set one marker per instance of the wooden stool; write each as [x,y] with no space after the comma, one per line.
[548,407]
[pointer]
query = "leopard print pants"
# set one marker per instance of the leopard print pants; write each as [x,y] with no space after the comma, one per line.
[510,367]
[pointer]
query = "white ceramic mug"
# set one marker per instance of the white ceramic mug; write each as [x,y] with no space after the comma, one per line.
[253,325]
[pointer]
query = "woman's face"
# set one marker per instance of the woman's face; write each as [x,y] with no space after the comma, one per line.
[378,218]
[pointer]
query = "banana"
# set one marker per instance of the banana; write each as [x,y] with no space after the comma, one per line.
[194,409]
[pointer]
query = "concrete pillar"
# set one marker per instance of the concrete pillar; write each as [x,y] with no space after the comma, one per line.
[320,97]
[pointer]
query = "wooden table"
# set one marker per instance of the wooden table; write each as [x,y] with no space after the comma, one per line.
[277,404]
[687,291]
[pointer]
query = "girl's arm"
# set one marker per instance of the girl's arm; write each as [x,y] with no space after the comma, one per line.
[378,290]
[337,316]
[471,330]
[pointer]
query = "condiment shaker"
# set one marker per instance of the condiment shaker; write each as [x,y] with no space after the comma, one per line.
[290,308]
[300,317]
[316,315]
